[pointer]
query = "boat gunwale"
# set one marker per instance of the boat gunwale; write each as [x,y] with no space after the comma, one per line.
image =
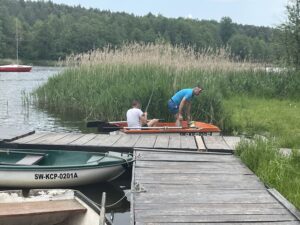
[92,165]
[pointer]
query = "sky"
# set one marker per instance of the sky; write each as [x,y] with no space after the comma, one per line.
[252,12]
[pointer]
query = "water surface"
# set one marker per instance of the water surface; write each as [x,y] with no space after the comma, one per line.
[15,113]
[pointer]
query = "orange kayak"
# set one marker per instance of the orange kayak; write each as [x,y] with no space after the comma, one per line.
[168,127]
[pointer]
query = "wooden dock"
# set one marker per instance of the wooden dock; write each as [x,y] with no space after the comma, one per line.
[124,142]
[202,188]
[179,179]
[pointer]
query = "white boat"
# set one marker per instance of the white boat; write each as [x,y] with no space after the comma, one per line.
[47,207]
[58,168]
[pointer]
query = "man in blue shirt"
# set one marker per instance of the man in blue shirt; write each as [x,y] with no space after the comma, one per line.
[180,100]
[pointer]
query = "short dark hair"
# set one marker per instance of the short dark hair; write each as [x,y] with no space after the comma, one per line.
[135,103]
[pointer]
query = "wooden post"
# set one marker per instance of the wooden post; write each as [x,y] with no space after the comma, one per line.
[102,212]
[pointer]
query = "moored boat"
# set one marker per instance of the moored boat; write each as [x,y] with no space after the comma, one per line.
[57,168]
[15,68]
[196,127]
[47,207]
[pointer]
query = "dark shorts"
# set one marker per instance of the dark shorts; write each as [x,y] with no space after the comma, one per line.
[173,108]
[145,125]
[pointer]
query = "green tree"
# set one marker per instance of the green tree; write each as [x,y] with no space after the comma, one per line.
[292,32]
[226,29]
[240,47]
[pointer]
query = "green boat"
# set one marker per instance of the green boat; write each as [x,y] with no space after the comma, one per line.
[58,168]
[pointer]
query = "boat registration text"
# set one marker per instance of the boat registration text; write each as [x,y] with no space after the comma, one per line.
[54,176]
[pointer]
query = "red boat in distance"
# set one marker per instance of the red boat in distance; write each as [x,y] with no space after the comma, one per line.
[15,68]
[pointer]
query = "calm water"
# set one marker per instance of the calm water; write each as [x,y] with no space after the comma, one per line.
[14,113]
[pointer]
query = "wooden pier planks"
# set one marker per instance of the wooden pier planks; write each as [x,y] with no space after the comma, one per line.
[103,140]
[202,188]
[216,143]
[166,141]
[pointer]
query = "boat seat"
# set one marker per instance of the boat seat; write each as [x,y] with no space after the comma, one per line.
[95,158]
[30,160]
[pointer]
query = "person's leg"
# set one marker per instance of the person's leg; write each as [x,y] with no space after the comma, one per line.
[173,108]
[152,123]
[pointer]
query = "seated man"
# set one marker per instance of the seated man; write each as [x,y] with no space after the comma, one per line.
[136,118]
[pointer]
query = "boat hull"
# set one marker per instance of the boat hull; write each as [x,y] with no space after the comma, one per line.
[169,127]
[63,178]
[15,68]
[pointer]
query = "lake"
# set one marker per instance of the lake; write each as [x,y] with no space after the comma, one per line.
[15,111]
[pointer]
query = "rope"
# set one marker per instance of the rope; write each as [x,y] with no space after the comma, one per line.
[137,189]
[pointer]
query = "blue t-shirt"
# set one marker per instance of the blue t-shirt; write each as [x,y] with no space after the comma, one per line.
[184,93]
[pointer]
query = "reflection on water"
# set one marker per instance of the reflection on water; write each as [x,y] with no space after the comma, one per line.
[13,113]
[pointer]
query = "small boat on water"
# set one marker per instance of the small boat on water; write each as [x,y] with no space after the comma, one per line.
[15,68]
[47,207]
[57,168]
[196,127]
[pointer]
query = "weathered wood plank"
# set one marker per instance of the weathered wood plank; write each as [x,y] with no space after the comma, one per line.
[10,134]
[29,138]
[145,141]
[175,142]
[162,141]
[220,223]
[200,143]
[83,139]
[231,141]
[42,139]
[193,210]
[254,185]
[53,138]
[285,203]
[209,166]
[109,140]
[181,156]
[98,140]
[69,139]
[191,170]
[210,208]
[188,142]
[215,143]
[214,218]
[126,141]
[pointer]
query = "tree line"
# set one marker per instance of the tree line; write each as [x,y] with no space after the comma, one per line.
[48,31]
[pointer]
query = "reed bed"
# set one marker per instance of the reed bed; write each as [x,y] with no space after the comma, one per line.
[101,84]
[161,54]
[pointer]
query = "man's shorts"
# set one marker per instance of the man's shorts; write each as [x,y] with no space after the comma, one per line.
[173,108]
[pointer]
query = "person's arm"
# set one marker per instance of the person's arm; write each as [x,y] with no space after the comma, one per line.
[143,118]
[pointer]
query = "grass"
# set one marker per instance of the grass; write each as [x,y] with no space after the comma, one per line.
[267,117]
[274,169]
